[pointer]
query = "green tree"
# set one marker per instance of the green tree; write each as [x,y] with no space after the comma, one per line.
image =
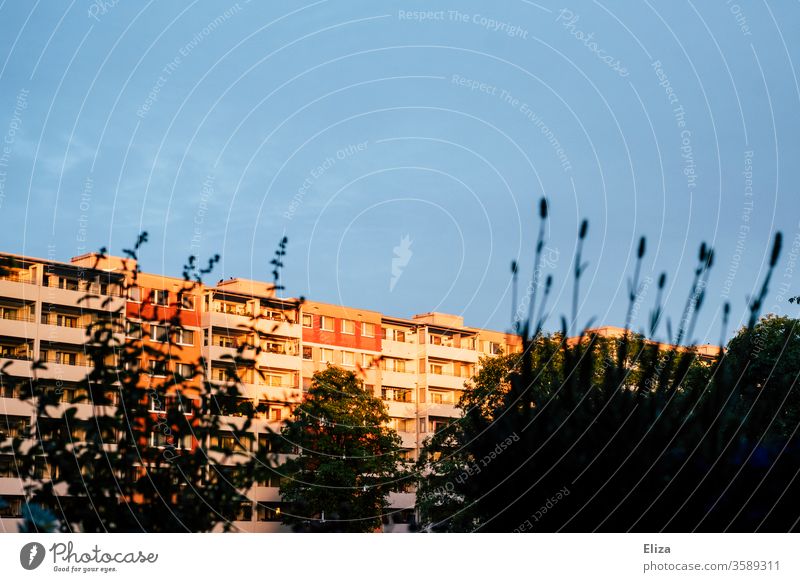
[349,459]
[766,358]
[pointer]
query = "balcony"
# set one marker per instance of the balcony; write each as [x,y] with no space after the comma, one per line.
[17,322]
[242,319]
[400,379]
[445,380]
[18,287]
[282,361]
[402,350]
[445,352]
[83,294]
[401,409]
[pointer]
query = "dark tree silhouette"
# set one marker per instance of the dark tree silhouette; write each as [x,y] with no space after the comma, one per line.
[617,434]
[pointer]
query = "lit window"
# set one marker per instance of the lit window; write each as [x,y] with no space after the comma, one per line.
[135,294]
[158,333]
[185,371]
[185,337]
[160,297]
[326,356]
[158,368]
[187,302]
[308,320]
[348,326]
[133,329]
[326,323]
[368,329]
[366,360]
[394,365]
[157,403]
[348,359]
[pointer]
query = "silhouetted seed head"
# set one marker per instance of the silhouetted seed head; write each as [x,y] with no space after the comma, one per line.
[703,252]
[776,249]
[662,280]
[584,228]
[543,208]
[548,282]
[640,254]
[726,309]
[514,267]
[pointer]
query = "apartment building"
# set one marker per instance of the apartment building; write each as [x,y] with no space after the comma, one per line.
[45,308]
[416,366]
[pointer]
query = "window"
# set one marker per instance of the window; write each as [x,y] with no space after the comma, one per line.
[135,294]
[159,333]
[275,380]
[225,341]
[275,412]
[13,506]
[436,368]
[492,348]
[396,394]
[440,397]
[13,426]
[185,405]
[348,359]
[348,326]
[366,360]
[160,297]
[308,353]
[402,424]
[66,358]
[187,302]
[395,335]
[157,403]
[394,365]
[133,329]
[158,368]
[368,329]
[326,323]
[184,337]
[308,320]
[326,356]
[159,439]
[185,371]
[227,441]
[66,320]
[269,512]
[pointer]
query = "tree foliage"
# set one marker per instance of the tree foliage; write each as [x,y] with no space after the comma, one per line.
[349,459]
[621,434]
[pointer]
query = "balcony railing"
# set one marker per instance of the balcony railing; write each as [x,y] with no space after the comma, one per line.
[15,356]
[17,316]
[16,278]
[54,319]
[88,287]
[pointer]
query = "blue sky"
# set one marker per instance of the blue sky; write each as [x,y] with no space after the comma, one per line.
[352,127]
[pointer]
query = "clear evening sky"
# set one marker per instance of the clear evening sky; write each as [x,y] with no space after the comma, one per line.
[402,146]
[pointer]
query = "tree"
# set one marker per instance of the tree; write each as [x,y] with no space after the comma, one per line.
[349,459]
[767,358]
[621,434]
